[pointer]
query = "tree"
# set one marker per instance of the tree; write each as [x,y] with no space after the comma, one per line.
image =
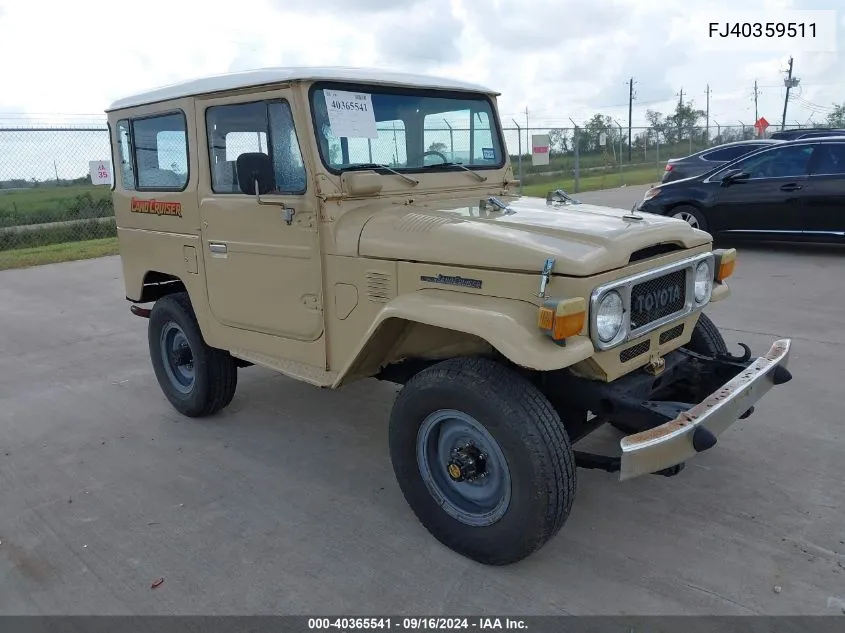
[686,117]
[590,134]
[558,140]
[837,117]
[657,122]
[437,146]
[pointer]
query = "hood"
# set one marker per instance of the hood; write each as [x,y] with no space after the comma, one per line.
[584,239]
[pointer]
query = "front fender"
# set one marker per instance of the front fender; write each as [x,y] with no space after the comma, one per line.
[508,325]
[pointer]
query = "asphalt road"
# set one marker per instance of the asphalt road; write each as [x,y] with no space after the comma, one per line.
[286,502]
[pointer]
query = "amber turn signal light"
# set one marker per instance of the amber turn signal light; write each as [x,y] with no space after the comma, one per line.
[725,263]
[561,319]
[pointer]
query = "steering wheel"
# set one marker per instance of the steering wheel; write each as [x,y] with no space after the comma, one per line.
[432,152]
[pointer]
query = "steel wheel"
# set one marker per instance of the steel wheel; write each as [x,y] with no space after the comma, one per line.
[178,357]
[463,467]
[687,217]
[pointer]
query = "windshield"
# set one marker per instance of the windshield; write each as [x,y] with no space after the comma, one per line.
[405,129]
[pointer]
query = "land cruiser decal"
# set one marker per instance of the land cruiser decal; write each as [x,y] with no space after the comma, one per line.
[156,207]
[452,281]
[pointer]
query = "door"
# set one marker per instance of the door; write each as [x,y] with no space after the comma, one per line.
[263,275]
[824,193]
[770,200]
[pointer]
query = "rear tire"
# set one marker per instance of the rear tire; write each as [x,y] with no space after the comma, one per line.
[692,216]
[198,380]
[520,469]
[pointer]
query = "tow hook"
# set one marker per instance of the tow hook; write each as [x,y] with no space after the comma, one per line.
[139,311]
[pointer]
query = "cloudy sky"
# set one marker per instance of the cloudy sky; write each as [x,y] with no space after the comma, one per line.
[557,58]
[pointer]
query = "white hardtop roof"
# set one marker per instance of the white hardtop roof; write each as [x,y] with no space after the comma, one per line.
[266,76]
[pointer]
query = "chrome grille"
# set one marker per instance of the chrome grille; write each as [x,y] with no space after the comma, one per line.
[657,298]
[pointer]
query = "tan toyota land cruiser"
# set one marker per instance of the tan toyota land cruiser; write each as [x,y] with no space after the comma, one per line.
[341,224]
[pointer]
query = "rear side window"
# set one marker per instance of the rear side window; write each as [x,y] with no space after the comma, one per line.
[830,159]
[729,153]
[160,145]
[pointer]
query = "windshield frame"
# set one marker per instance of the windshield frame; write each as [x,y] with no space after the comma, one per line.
[495,122]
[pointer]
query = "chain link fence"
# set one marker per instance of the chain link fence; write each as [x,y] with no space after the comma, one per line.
[46,195]
[47,198]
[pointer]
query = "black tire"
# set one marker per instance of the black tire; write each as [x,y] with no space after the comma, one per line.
[214,374]
[688,213]
[706,338]
[539,461]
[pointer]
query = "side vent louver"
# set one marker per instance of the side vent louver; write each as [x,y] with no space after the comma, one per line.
[379,286]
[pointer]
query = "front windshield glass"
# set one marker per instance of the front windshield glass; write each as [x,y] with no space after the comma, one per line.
[405,129]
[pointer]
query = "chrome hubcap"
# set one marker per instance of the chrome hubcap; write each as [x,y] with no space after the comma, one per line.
[689,218]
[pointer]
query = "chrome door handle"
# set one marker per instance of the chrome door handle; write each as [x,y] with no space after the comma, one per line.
[217,248]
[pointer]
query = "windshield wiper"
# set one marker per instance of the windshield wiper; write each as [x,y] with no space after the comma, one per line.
[413,181]
[451,164]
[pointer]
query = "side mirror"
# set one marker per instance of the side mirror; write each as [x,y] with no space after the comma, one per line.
[257,177]
[734,175]
[255,174]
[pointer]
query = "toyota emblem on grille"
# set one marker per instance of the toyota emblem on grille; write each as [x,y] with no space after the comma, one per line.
[657,299]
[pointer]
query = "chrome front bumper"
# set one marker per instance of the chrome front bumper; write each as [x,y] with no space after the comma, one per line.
[696,429]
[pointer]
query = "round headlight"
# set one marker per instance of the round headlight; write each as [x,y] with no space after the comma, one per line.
[703,282]
[609,316]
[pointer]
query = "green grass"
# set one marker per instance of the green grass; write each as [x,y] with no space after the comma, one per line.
[594,181]
[55,253]
[54,204]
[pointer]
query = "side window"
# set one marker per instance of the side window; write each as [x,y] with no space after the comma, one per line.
[160,146]
[287,157]
[782,162]
[259,126]
[127,171]
[830,159]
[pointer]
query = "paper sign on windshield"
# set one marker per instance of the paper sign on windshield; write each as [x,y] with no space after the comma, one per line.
[351,114]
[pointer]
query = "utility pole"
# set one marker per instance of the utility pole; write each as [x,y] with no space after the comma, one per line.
[56,168]
[756,94]
[707,132]
[790,83]
[527,132]
[630,111]
[680,105]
